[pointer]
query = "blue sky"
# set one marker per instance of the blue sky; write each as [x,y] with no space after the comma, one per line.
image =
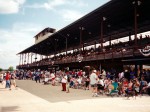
[21,20]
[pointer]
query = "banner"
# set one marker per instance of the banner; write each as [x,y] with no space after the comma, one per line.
[145,51]
[79,58]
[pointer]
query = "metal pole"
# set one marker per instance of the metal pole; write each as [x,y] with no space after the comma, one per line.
[20,60]
[95,45]
[35,57]
[81,36]
[129,36]
[101,36]
[110,40]
[55,47]
[135,23]
[25,59]
[28,59]
[83,47]
[31,57]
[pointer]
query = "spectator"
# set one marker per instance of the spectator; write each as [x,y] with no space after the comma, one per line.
[93,82]
[103,73]
[1,78]
[64,81]
[37,76]
[13,82]
[7,78]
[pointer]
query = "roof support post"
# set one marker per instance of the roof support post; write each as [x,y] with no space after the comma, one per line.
[136,3]
[110,40]
[31,57]
[35,57]
[135,24]
[28,59]
[81,35]
[101,33]
[73,49]
[67,43]
[25,59]
[95,45]
[55,46]
[129,36]
[20,60]
[83,47]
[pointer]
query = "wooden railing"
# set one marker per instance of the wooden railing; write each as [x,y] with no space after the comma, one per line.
[111,54]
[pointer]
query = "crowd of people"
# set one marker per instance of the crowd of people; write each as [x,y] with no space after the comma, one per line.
[9,78]
[115,47]
[100,82]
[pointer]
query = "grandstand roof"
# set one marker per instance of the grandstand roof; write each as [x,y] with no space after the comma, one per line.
[119,23]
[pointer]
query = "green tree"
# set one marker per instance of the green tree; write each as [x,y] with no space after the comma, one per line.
[11,68]
[1,69]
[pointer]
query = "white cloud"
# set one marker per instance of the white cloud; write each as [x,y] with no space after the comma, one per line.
[10,6]
[78,3]
[20,1]
[67,14]
[53,4]
[15,40]
[70,15]
[49,5]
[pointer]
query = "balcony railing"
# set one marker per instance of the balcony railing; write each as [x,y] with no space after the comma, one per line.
[112,54]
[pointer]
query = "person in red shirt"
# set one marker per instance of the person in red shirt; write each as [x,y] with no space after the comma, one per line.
[7,78]
[124,85]
[80,73]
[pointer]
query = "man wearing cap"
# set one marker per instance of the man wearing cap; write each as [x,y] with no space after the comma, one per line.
[93,82]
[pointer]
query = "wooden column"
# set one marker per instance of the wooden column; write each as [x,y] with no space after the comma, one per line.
[20,60]
[35,57]
[95,45]
[135,24]
[83,47]
[110,40]
[25,59]
[101,34]
[136,4]
[129,36]
[80,35]
[31,57]
[28,59]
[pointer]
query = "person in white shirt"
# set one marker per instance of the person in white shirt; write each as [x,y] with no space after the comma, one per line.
[93,83]
[64,81]
[13,81]
[1,78]
[100,84]
[79,82]
[103,73]
[53,78]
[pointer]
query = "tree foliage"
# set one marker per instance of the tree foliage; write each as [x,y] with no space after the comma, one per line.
[1,69]
[11,68]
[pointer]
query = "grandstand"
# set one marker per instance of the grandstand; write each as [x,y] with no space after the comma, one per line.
[89,41]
